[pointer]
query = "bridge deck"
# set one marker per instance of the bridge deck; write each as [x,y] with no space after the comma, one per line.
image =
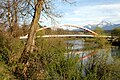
[66,36]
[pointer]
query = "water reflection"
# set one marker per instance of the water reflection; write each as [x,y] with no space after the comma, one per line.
[115,51]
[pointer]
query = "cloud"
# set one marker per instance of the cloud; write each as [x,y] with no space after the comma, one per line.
[93,14]
[73,19]
[108,7]
[98,10]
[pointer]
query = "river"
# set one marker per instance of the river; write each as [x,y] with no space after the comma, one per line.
[77,47]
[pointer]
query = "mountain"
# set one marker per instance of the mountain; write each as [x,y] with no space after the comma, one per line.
[103,24]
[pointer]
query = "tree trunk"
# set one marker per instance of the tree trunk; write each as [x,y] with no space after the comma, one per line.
[31,36]
[9,21]
[12,17]
[14,21]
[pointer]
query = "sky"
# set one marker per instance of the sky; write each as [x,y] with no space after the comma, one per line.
[84,12]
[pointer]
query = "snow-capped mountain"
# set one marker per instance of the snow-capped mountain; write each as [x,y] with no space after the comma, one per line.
[103,24]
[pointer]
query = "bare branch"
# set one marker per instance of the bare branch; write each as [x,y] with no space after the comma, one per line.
[70,2]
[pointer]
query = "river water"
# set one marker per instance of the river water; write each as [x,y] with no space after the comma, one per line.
[78,46]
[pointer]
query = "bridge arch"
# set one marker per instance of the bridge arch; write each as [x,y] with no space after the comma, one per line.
[86,29]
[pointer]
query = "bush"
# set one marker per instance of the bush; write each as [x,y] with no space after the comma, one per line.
[10,51]
[3,49]
[49,61]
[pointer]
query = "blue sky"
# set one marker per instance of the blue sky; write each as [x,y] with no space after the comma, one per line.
[85,12]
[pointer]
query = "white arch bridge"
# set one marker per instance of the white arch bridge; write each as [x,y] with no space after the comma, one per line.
[93,34]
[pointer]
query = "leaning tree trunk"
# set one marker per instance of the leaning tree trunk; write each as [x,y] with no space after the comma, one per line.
[31,36]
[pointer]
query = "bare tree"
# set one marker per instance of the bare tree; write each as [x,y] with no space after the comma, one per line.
[31,36]
[40,7]
[10,14]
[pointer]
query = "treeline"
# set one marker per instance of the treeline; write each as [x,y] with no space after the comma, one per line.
[116,36]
